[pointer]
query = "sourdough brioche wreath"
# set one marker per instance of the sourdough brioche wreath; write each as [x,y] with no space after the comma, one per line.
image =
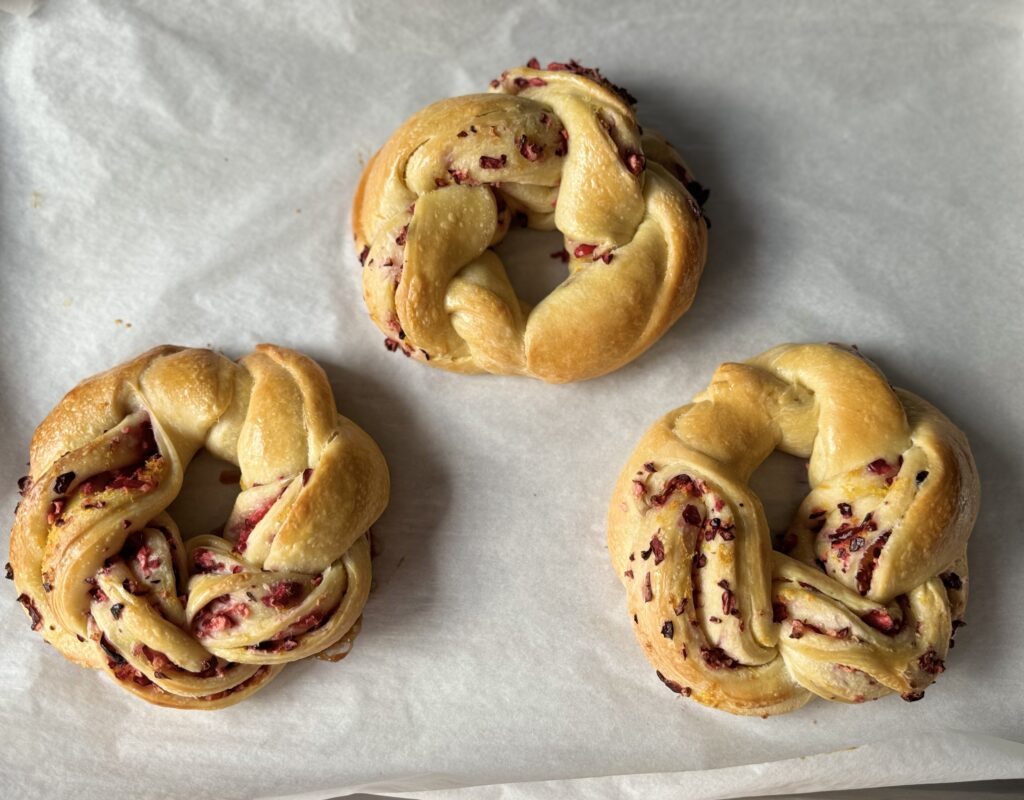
[102,570]
[549,148]
[860,598]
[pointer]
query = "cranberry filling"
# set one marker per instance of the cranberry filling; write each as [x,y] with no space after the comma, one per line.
[730,605]
[675,687]
[34,616]
[228,692]
[129,478]
[674,484]
[931,663]
[563,148]
[691,516]
[717,658]
[847,538]
[135,476]
[53,516]
[529,150]
[221,615]
[282,646]
[658,549]
[244,531]
[493,162]
[302,625]
[869,562]
[114,658]
[206,561]
[60,486]
[283,594]
[884,469]
[635,162]
[462,176]
[714,526]
[880,620]
[146,561]
[159,660]
[593,74]
[799,627]
[126,672]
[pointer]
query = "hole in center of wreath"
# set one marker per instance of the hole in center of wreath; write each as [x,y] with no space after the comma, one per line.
[207,496]
[781,483]
[532,261]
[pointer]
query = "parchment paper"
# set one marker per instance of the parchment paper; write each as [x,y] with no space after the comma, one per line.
[184,174]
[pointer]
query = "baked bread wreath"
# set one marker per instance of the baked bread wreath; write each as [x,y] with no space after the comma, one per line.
[102,570]
[549,148]
[861,596]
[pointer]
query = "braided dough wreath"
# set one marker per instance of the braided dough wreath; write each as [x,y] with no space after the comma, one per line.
[859,599]
[553,148]
[102,570]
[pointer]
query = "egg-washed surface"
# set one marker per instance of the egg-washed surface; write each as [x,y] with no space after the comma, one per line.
[555,147]
[102,569]
[869,582]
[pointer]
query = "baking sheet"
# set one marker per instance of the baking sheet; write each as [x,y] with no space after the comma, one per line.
[184,174]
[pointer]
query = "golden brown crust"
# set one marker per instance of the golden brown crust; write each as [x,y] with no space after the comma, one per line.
[871,578]
[563,149]
[102,570]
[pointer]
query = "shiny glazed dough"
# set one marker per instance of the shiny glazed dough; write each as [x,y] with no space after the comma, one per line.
[102,570]
[552,148]
[859,599]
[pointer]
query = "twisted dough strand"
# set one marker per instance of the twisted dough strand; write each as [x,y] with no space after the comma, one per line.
[103,571]
[557,148]
[872,575]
